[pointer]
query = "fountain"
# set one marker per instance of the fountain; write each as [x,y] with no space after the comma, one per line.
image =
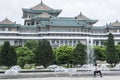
[91,58]
[13,70]
[52,67]
[90,52]
[117,66]
[57,68]
[87,67]
[60,69]
[104,68]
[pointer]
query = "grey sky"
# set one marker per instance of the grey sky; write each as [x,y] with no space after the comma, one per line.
[105,11]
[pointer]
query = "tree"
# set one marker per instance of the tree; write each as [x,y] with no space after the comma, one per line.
[100,53]
[24,56]
[13,56]
[47,50]
[64,55]
[8,55]
[79,54]
[39,58]
[111,54]
[31,44]
[118,50]
[44,54]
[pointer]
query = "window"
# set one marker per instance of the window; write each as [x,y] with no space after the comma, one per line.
[15,43]
[6,29]
[32,23]
[28,23]
[37,23]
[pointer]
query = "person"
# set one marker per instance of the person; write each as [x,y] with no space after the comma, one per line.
[97,70]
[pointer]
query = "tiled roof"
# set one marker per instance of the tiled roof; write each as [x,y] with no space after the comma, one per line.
[6,21]
[41,6]
[116,23]
[28,26]
[44,15]
[82,17]
[66,22]
[99,27]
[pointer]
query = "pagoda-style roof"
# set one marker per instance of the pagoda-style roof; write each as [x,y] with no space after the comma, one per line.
[98,27]
[81,17]
[41,6]
[64,21]
[39,9]
[44,15]
[115,24]
[7,21]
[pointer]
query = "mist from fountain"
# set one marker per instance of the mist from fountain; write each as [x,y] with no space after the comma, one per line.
[13,70]
[91,60]
[104,68]
[117,66]
[90,52]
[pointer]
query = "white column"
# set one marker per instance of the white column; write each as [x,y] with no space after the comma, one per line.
[59,43]
[99,43]
[72,42]
[88,50]
[68,42]
[63,42]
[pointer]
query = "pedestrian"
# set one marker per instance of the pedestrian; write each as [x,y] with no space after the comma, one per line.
[97,70]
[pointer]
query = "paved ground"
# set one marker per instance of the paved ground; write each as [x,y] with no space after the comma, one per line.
[70,78]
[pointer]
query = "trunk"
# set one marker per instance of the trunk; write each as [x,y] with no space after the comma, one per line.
[70,65]
[111,65]
[67,65]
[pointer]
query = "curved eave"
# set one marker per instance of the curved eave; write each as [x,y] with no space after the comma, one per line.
[40,11]
[114,26]
[98,28]
[9,25]
[26,26]
[40,18]
[67,25]
[91,21]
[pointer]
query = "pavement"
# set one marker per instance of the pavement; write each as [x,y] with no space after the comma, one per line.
[71,78]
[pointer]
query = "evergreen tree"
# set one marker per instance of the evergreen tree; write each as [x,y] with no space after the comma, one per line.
[44,54]
[39,58]
[111,55]
[48,52]
[79,54]
[12,56]
[7,55]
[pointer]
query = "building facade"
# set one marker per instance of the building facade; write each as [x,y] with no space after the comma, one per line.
[42,22]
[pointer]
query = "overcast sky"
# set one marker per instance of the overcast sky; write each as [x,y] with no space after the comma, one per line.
[105,11]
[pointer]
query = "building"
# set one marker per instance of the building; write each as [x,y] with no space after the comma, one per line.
[42,22]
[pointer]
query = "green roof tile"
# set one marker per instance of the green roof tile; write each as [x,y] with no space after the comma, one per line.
[28,26]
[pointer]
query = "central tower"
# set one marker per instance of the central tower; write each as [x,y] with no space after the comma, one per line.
[38,13]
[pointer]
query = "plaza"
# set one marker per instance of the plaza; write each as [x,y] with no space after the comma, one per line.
[68,78]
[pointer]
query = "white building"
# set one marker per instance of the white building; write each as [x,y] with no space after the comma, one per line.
[42,22]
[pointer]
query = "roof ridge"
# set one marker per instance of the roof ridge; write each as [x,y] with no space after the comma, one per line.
[41,6]
[116,23]
[82,17]
[6,21]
